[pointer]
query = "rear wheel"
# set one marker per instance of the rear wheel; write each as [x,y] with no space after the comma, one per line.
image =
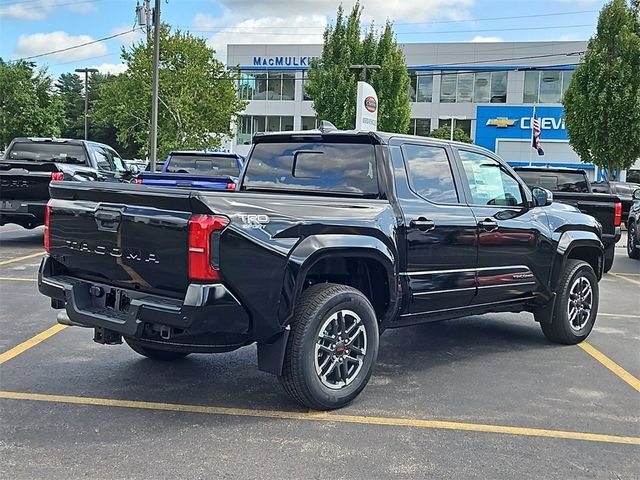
[576,305]
[154,353]
[632,241]
[332,347]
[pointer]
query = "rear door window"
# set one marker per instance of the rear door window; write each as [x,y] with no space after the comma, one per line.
[342,168]
[204,165]
[430,173]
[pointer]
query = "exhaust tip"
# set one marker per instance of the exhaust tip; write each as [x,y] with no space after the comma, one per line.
[63,319]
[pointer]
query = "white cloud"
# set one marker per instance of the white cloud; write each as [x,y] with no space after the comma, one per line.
[38,43]
[40,9]
[303,21]
[114,68]
[378,10]
[482,39]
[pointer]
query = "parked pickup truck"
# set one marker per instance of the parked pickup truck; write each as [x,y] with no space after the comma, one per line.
[29,164]
[331,238]
[572,186]
[623,190]
[200,170]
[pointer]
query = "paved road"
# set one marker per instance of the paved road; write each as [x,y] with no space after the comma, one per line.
[480,397]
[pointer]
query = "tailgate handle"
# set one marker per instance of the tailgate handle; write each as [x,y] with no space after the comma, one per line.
[108,220]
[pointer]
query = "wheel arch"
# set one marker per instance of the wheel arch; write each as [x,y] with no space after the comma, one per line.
[362,262]
[578,245]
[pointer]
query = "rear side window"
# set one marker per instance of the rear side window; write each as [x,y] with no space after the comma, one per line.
[555,181]
[204,165]
[430,173]
[48,152]
[343,168]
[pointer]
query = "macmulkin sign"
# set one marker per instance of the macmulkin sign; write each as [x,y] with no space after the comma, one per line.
[282,61]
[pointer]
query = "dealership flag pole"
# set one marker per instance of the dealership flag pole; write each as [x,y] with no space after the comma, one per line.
[533,115]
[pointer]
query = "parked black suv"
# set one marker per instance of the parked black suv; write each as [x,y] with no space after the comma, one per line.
[633,227]
[332,238]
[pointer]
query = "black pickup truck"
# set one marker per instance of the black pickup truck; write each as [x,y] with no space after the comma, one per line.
[572,186]
[29,164]
[331,238]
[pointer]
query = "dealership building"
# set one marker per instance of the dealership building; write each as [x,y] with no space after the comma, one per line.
[487,89]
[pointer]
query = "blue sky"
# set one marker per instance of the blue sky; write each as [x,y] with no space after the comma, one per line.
[31,27]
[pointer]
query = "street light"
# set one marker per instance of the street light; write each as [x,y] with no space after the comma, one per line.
[364,68]
[86,72]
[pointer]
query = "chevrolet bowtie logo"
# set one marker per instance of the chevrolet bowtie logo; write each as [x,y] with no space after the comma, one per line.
[501,122]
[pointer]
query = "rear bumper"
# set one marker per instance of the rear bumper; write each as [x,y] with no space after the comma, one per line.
[610,239]
[27,214]
[205,309]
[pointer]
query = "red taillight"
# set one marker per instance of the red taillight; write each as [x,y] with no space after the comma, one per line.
[231,186]
[204,245]
[47,228]
[617,216]
[57,176]
[138,181]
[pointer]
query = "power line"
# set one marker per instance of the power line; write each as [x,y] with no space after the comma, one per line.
[497,29]
[74,46]
[45,5]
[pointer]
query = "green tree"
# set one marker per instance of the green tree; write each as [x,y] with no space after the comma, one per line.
[602,103]
[70,90]
[28,106]
[444,133]
[197,96]
[333,84]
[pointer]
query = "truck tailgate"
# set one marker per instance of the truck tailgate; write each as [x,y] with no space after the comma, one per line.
[131,237]
[601,206]
[25,180]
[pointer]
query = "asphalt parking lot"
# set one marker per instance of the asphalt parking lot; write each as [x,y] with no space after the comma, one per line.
[480,397]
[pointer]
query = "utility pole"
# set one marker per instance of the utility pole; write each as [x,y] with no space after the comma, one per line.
[147,10]
[153,137]
[86,72]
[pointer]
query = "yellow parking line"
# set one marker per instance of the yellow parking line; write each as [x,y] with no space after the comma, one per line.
[619,315]
[611,365]
[632,280]
[18,259]
[322,416]
[32,342]
[19,279]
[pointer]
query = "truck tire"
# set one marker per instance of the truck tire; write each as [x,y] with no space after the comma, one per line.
[609,254]
[576,305]
[332,347]
[632,242]
[154,353]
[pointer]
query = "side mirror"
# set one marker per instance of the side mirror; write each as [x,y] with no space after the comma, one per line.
[542,196]
[636,194]
[133,169]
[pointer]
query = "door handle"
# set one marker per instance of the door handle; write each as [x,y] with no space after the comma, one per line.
[488,225]
[108,220]
[423,224]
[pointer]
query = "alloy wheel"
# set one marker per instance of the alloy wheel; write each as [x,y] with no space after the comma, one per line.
[580,303]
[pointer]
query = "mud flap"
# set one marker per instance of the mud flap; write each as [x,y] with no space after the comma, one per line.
[271,355]
[544,314]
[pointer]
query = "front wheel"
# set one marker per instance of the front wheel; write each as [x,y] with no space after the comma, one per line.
[154,353]
[633,250]
[576,305]
[332,347]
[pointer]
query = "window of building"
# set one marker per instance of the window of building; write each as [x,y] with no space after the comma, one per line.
[480,87]
[420,87]
[250,124]
[490,184]
[309,123]
[458,123]
[430,173]
[271,85]
[305,81]
[546,86]
[448,84]
[420,126]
